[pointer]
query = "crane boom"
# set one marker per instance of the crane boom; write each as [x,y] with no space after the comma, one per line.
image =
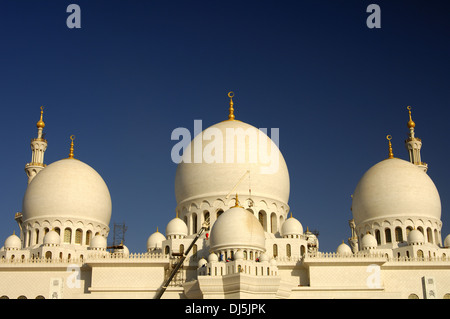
[180,262]
[237,184]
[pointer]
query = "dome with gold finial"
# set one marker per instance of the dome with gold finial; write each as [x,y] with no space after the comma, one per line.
[237,228]
[219,156]
[395,188]
[68,190]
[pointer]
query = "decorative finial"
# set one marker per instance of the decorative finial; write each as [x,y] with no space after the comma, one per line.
[231,114]
[157,229]
[40,124]
[72,137]
[237,202]
[411,123]
[391,154]
[291,214]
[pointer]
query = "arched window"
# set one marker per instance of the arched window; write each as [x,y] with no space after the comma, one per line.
[219,212]
[420,253]
[78,236]
[181,249]
[302,250]
[275,250]
[36,240]
[194,223]
[378,236]
[48,255]
[288,250]
[58,231]
[88,237]
[273,223]
[429,235]
[67,235]
[387,234]
[167,250]
[398,234]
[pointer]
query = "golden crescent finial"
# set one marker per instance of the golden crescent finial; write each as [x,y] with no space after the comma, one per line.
[40,124]
[391,154]
[72,137]
[231,110]
[237,202]
[411,123]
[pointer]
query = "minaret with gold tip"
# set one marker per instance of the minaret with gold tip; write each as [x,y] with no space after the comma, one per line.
[38,147]
[414,144]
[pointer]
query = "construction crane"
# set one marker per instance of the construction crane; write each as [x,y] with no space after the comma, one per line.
[161,291]
[238,183]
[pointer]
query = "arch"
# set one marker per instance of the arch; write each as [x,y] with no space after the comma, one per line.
[67,235]
[429,235]
[288,250]
[194,223]
[78,236]
[398,234]
[48,255]
[262,217]
[387,235]
[219,212]
[275,250]
[273,223]
[88,237]
[378,236]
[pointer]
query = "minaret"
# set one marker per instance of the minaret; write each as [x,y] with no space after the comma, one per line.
[414,144]
[38,147]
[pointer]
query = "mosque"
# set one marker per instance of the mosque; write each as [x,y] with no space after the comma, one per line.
[227,241]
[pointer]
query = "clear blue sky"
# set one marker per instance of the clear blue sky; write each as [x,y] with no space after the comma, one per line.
[136,70]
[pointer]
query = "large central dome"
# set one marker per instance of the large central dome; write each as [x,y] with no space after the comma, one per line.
[219,171]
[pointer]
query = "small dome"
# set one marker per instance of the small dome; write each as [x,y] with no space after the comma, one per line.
[264,257]
[13,242]
[237,228]
[176,227]
[124,250]
[239,255]
[369,242]
[447,241]
[344,249]
[415,237]
[98,242]
[52,238]
[291,227]
[212,257]
[202,262]
[155,240]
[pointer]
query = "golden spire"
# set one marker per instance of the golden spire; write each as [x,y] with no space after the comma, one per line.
[72,137]
[391,154]
[40,124]
[411,123]
[237,202]
[231,114]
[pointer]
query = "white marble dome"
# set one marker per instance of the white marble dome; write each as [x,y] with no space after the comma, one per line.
[237,228]
[155,240]
[98,242]
[415,237]
[368,242]
[344,249]
[395,188]
[68,189]
[52,238]
[12,242]
[176,227]
[199,180]
[291,227]
[447,241]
